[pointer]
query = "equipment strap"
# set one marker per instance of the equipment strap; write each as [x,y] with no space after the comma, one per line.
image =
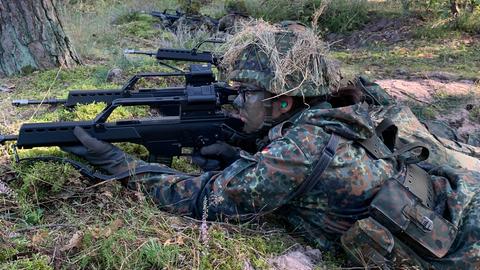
[326,157]
[380,150]
[388,132]
[416,179]
[96,176]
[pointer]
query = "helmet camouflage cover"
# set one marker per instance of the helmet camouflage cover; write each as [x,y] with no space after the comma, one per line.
[281,60]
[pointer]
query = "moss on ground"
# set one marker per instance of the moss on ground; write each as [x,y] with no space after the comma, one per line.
[36,262]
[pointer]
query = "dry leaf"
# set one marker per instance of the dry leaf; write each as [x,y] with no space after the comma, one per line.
[7,88]
[39,237]
[180,240]
[140,196]
[107,194]
[177,241]
[95,233]
[113,227]
[74,242]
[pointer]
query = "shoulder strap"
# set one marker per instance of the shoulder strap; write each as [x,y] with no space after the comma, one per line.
[383,145]
[415,178]
[326,157]
[388,132]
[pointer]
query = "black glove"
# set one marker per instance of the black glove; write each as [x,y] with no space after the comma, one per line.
[216,156]
[101,154]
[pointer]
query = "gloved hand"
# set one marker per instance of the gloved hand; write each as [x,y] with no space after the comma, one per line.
[216,156]
[101,154]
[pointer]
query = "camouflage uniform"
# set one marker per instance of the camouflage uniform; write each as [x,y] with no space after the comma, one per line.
[263,182]
[442,151]
[194,22]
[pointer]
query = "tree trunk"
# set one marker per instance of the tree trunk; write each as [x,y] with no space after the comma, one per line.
[32,37]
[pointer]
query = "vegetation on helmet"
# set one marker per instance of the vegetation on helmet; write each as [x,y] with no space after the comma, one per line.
[282,60]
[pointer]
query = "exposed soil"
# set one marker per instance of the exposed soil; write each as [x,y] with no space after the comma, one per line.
[412,88]
[380,29]
[424,90]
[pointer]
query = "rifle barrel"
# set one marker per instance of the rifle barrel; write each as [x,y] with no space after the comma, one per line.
[131,51]
[25,102]
[6,138]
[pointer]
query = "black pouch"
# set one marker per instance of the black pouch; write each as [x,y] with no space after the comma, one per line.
[398,209]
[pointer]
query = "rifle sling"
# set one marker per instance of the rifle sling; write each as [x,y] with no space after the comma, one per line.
[96,176]
[326,157]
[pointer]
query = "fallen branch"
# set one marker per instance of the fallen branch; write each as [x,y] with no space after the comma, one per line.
[417,99]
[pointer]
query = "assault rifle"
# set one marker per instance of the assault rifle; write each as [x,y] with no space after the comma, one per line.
[170,18]
[196,75]
[188,117]
[192,117]
[167,17]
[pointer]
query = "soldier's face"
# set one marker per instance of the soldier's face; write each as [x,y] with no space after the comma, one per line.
[251,110]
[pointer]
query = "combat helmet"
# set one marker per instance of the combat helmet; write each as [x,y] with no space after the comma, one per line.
[281,60]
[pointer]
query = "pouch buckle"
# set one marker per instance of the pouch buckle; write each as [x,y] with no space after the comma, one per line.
[427,223]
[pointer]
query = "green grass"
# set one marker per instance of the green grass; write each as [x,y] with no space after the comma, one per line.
[119,232]
[417,58]
[139,25]
[339,16]
[443,103]
[36,262]
[469,22]
[89,25]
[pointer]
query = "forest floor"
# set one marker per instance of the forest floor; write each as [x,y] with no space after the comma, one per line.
[437,73]
[50,217]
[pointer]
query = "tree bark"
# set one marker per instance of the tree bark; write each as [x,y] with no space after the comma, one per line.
[32,37]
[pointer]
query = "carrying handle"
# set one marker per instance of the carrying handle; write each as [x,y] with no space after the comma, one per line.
[409,148]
